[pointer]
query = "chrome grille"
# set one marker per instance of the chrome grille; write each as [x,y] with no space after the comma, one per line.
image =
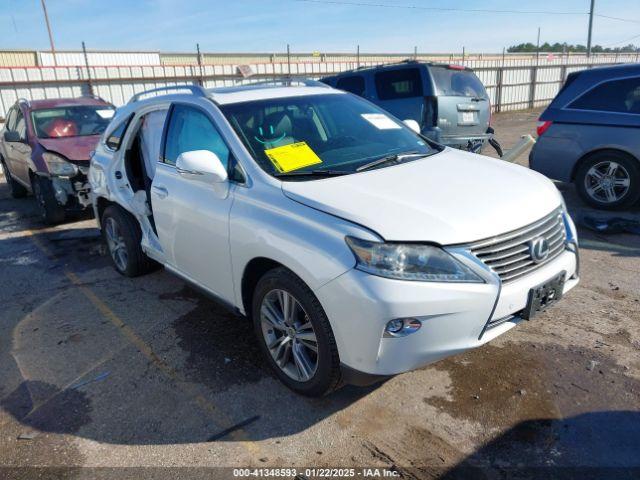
[508,254]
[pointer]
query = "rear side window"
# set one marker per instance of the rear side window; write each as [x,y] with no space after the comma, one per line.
[353,84]
[11,119]
[621,96]
[450,82]
[190,129]
[115,137]
[402,83]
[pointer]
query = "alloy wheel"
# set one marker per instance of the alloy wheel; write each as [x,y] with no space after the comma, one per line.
[116,243]
[289,335]
[607,182]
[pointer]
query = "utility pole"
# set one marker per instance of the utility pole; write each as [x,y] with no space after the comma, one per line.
[538,48]
[46,19]
[590,28]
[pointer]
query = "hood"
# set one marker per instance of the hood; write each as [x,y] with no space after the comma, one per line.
[448,198]
[72,148]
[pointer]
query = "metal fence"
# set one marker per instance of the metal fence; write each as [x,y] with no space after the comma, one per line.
[513,82]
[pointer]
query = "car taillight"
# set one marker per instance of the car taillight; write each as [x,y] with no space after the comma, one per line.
[543,127]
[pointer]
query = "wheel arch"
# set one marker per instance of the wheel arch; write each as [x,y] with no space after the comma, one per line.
[586,156]
[253,271]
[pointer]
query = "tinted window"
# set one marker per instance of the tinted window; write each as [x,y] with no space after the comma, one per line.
[339,131]
[115,137]
[403,83]
[457,83]
[190,129]
[616,96]
[354,84]
[21,126]
[11,119]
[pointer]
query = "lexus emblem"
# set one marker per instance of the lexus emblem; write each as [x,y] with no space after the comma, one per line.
[539,249]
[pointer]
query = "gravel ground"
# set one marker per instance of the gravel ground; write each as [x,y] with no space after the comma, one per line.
[98,370]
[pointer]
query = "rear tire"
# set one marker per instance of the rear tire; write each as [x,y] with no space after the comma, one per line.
[302,349]
[609,180]
[50,210]
[122,235]
[17,190]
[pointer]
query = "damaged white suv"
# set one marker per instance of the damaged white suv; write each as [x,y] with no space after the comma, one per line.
[358,248]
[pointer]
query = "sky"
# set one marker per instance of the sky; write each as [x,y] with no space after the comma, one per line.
[268,25]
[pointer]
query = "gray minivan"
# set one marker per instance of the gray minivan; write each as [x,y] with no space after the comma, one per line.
[449,102]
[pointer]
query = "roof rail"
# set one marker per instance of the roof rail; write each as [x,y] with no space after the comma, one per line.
[289,82]
[194,89]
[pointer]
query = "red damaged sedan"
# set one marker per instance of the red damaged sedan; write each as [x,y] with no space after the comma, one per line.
[45,149]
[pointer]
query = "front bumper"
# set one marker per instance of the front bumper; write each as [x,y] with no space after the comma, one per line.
[454,316]
[72,192]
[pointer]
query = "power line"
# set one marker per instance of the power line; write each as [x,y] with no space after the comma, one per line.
[441,9]
[630,20]
[469,10]
[622,41]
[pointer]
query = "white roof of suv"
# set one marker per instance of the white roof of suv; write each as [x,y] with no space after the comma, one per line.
[246,93]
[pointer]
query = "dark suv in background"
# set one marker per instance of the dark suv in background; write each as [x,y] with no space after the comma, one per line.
[45,149]
[590,135]
[449,102]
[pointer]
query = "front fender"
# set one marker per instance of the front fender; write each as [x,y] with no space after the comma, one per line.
[266,224]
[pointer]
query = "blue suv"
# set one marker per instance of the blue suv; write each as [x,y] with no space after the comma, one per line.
[590,135]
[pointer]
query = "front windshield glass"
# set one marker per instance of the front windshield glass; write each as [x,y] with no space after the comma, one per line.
[321,133]
[75,121]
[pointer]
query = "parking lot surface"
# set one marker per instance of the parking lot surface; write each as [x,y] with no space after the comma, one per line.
[98,370]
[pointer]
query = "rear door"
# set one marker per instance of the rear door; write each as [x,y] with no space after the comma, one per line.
[191,216]
[401,92]
[463,103]
[19,153]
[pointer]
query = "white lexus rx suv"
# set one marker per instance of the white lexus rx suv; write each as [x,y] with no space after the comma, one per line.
[358,248]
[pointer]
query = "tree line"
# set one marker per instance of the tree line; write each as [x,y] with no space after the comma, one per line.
[565,47]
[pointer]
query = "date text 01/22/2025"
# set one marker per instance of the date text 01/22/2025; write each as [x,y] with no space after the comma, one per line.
[310,473]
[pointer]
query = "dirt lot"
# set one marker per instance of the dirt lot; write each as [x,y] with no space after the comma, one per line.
[98,370]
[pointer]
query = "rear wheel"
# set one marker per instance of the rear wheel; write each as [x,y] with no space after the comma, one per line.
[294,334]
[50,210]
[122,234]
[609,180]
[17,190]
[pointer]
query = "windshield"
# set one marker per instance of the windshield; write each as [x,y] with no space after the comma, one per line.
[76,121]
[457,83]
[320,133]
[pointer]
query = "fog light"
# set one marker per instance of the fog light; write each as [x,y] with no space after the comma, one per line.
[394,326]
[401,327]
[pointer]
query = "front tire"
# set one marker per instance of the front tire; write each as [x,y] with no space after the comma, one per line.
[122,235]
[295,335]
[50,210]
[17,190]
[609,180]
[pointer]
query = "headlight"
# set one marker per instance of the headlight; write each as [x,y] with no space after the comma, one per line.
[399,261]
[58,165]
[570,228]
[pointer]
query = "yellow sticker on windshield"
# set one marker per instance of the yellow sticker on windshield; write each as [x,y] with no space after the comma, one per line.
[292,157]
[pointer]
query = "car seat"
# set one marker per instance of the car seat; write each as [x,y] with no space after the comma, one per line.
[275,130]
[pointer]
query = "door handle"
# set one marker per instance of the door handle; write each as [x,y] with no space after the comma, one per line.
[162,192]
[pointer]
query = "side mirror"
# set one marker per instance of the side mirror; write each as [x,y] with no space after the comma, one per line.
[203,165]
[10,136]
[412,124]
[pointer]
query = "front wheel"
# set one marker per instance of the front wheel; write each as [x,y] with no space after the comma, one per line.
[609,180]
[50,210]
[294,334]
[122,234]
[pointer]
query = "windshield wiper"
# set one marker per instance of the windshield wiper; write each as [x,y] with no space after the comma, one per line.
[395,158]
[313,173]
